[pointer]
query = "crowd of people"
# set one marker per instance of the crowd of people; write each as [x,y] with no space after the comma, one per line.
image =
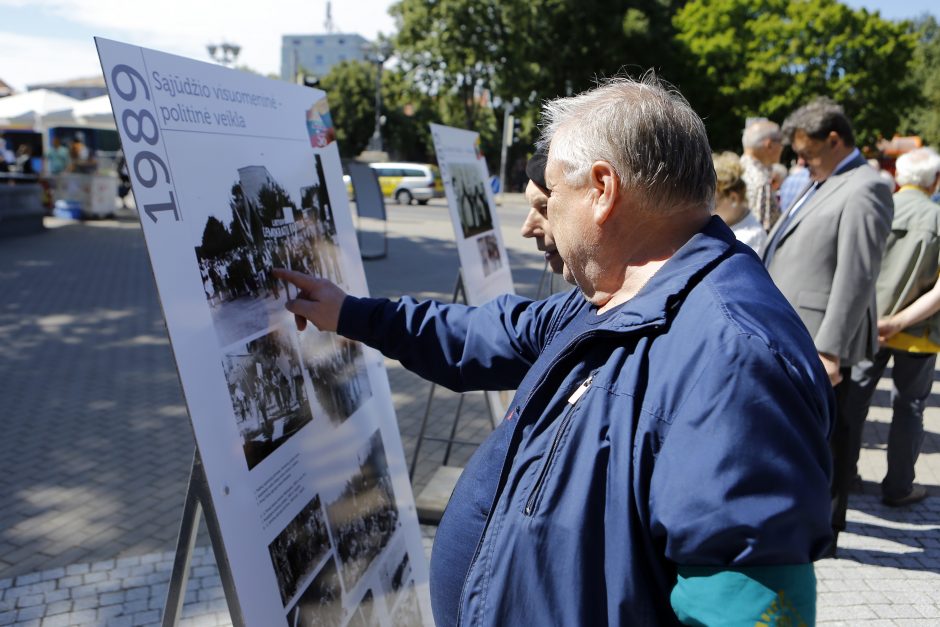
[687,420]
[299,548]
[364,516]
[863,265]
[266,386]
[872,266]
[337,369]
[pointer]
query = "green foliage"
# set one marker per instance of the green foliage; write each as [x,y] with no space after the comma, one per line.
[473,54]
[768,57]
[923,117]
[350,91]
[408,110]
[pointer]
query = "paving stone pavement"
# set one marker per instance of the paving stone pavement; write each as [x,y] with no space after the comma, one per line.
[97,445]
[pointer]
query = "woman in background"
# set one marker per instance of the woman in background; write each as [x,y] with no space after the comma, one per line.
[731,202]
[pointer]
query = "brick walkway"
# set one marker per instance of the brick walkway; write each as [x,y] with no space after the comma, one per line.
[98,446]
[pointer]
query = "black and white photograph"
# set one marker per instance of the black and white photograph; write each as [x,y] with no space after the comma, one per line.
[489,254]
[407,611]
[363,517]
[365,614]
[264,226]
[298,550]
[266,384]
[337,369]
[321,604]
[473,205]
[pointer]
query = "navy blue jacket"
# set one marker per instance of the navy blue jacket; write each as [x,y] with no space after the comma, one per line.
[698,437]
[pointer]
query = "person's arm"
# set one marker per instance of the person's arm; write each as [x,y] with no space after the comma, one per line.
[863,230]
[739,494]
[921,309]
[759,595]
[460,347]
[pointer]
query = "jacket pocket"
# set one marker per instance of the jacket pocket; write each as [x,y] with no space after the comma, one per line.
[532,502]
[817,301]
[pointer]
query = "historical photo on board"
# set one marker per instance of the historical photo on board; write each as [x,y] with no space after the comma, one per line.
[299,549]
[473,205]
[337,368]
[266,383]
[489,253]
[321,604]
[407,612]
[264,226]
[363,517]
[365,615]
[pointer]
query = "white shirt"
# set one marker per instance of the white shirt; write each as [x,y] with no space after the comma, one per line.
[749,231]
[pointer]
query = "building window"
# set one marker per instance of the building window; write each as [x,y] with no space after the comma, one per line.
[318,42]
[318,60]
[341,41]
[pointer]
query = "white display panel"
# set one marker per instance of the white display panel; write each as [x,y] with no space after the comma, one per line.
[235,174]
[483,261]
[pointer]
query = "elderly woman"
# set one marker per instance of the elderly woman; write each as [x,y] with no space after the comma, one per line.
[731,202]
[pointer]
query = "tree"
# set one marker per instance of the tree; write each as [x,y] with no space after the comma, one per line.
[923,117]
[408,110]
[350,91]
[476,55]
[768,57]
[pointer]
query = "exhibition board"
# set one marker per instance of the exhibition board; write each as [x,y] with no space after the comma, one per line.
[234,175]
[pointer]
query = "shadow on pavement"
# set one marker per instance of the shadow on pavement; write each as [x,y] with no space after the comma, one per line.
[96,438]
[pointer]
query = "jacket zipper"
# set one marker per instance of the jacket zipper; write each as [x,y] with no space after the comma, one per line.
[542,378]
[556,441]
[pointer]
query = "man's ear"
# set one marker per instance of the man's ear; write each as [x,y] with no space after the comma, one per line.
[605,188]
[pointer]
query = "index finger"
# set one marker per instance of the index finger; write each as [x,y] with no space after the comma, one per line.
[300,280]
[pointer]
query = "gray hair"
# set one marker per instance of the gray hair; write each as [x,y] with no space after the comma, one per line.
[918,167]
[817,119]
[755,134]
[645,130]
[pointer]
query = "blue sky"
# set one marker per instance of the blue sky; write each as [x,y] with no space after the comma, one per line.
[898,9]
[46,40]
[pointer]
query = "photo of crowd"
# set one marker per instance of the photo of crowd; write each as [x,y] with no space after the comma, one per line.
[321,603]
[299,549]
[266,385]
[473,205]
[364,517]
[266,228]
[407,612]
[365,614]
[489,254]
[337,368]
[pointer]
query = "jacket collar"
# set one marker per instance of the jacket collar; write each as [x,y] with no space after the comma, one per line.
[665,291]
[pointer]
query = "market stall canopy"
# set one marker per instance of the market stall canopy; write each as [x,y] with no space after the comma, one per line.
[27,110]
[92,113]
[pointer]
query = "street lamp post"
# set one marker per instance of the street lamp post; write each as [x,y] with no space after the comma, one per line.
[224,53]
[378,53]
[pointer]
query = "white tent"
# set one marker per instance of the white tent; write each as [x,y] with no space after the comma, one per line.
[27,110]
[91,113]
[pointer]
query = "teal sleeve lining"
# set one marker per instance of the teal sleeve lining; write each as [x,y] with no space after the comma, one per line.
[759,596]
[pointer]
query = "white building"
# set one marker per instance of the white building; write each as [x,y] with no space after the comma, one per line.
[316,54]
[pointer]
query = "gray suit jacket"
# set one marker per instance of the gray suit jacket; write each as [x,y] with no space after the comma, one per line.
[827,260]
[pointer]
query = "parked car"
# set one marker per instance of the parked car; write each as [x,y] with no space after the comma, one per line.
[407,182]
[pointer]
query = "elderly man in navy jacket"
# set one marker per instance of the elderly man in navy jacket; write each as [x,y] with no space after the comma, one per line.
[664,460]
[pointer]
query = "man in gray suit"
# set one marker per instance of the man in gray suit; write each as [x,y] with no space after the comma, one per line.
[824,254]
